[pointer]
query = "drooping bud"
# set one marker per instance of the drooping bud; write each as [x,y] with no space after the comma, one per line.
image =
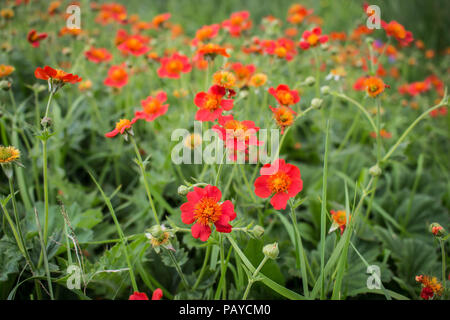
[271,250]
[46,122]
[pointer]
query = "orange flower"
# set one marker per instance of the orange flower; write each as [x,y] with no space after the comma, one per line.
[117,76]
[57,78]
[53,7]
[225,79]
[430,286]
[374,86]
[242,72]
[98,55]
[383,133]
[135,45]
[284,116]
[8,154]
[284,95]
[258,80]
[7,13]
[123,126]
[297,13]
[398,31]
[211,50]
[172,66]
[238,22]
[207,32]
[5,70]
[339,220]
[160,19]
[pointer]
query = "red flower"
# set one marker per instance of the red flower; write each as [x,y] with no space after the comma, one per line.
[98,55]
[204,209]
[153,107]
[284,95]
[138,296]
[160,19]
[211,104]
[238,22]
[157,295]
[312,38]
[206,33]
[123,126]
[212,50]
[34,38]
[282,182]
[117,76]
[172,66]
[236,134]
[283,48]
[426,293]
[396,30]
[243,73]
[135,45]
[58,75]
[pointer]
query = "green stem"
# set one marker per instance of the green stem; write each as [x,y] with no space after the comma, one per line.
[444,278]
[203,269]
[178,268]
[299,250]
[378,130]
[223,268]
[252,279]
[147,188]
[247,183]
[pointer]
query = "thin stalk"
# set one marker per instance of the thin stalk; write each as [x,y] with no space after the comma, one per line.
[378,130]
[203,269]
[299,250]
[252,279]
[323,215]
[223,268]
[444,279]
[147,188]
[247,183]
[178,268]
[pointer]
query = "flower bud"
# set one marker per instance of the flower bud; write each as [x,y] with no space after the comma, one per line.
[257,231]
[5,85]
[46,122]
[375,171]
[369,40]
[437,229]
[316,103]
[271,250]
[310,81]
[183,190]
[325,90]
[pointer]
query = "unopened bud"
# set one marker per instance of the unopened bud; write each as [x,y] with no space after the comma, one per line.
[375,171]
[316,103]
[257,231]
[310,81]
[183,190]
[325,90]
[271,250]
[46,122]
[437,229]
[369,40]
[5,85]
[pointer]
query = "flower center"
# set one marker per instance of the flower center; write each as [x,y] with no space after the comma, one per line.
[279,182]
[285,97]
[239,130]
[175,66]
[313,39]
[152,106]
[118,74]
[122,124]
[212,102]
[99,54]
[280,52]
[236,20]
[207,211]
[134,44]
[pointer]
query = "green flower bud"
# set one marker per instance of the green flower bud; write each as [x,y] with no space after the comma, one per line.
[271,250]
[325,90]
[375,171]
[183,190]
[257,231]
[310,81]
[316,103]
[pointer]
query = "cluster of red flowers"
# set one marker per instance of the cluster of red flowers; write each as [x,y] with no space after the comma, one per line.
[283,114]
